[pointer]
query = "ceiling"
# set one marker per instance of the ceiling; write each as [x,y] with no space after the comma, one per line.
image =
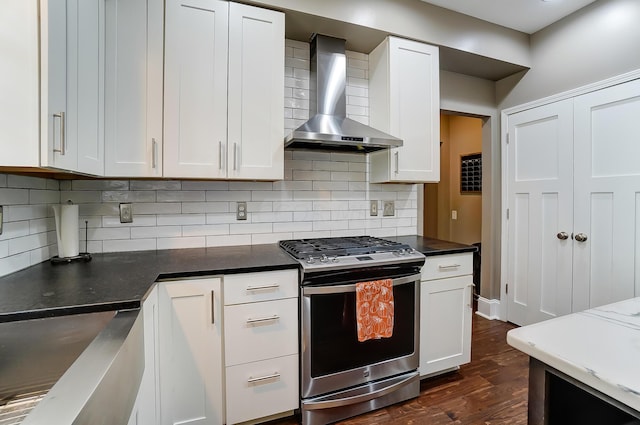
[527,16]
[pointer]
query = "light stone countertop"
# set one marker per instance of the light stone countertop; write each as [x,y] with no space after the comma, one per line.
[599,347]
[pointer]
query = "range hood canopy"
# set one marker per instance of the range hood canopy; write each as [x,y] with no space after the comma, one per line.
[329,128]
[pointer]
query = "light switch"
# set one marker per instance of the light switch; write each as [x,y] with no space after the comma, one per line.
[126,215]
[373,208]
[454,214]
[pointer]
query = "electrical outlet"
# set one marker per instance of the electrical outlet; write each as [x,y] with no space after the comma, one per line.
[1,219]
[241,211]
[389,208]
[126,215]
[373,208]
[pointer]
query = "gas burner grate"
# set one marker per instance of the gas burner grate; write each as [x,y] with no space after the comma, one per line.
[339,246]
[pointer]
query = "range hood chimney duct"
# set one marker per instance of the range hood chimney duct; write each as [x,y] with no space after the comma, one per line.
[329,128]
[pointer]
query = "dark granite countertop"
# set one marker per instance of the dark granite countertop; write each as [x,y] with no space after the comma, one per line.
[118,281]
[431,246]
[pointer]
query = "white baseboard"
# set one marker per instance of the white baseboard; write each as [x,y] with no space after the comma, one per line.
[489,309]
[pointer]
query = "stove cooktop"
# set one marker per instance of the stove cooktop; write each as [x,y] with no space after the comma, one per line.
[349,252]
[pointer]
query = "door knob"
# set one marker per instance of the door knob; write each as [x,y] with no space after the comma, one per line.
[581,237]
[563,236]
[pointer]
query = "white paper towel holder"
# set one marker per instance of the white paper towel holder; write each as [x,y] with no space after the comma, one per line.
[82,256]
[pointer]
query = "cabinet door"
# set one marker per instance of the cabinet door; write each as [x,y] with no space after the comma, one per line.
[133,88]
[540,202]
[195,84]
[256,83]
[56,149]
[606,266]
[191,369]
[445,323]
[405,102]
[20,103]
[148,412]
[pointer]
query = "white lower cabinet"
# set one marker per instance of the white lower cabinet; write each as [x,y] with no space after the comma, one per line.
[240,368]
[261,344]
[145,410]
[190,340]
[446,304]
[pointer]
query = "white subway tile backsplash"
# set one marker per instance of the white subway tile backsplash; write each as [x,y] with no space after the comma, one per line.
[228,240]
[14,196]
[129,245]
[129,196]
[100,185]
[180,219]
[323,194]
[155,185]
[156,232]
[103,234]
[26,182]
[179,243]
[206,230]
[298,226]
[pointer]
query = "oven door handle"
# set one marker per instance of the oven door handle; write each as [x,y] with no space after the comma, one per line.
[337,289]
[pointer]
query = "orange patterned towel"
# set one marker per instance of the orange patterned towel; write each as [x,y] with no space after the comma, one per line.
[374,309]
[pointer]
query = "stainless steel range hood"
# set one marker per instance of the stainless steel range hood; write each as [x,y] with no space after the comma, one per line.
[329,128]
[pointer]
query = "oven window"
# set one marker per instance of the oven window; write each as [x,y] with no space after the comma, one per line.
[334,336]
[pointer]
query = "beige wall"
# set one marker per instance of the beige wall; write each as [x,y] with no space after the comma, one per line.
[465,137]
[598,42]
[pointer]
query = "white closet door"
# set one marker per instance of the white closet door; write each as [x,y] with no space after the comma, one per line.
[540,208]
[195,88]
[607,196]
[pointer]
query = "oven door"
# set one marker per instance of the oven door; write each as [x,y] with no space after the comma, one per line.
[333,358]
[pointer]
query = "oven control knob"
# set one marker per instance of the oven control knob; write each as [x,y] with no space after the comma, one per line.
[334,260]
[311,260]
[324,259]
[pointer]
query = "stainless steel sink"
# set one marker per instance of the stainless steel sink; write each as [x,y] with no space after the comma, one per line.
[34,354]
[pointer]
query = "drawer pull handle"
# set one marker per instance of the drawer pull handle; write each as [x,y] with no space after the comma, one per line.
[263,319]
[275,375]
[259,288]
[451,266]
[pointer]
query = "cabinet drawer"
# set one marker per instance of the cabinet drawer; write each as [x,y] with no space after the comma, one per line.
[259,389]
[259,331]
[443,266]
[260,286]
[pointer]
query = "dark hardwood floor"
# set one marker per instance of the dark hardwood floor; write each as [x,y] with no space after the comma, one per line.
[491,390]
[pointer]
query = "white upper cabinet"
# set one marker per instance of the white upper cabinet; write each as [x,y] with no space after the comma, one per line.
[133,85]
[256,93]
[404,101]
[71,37]
[224,85]
[195,88]
[19,75]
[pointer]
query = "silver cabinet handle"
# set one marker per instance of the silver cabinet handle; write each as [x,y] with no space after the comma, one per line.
[563,236]
[235,156]
[213,302]
[581,237]
[450,266]
[351,287]
[220,155]
[154,153]
[259,288]
[263,319]
[63,142]
[397,159]
[275,375]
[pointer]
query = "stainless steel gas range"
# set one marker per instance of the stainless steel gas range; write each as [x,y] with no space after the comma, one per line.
[341,376]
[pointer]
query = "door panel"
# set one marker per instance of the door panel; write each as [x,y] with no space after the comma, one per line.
[607,183]
[540,206]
